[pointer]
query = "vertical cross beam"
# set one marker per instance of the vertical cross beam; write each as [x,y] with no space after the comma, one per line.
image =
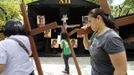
[64,19]
[104,6]
[28,29]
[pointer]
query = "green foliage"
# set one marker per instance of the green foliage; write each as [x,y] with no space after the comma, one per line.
[124,9]
[10,9]
[121,10]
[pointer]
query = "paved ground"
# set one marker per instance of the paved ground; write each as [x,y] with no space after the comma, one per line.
[54,66]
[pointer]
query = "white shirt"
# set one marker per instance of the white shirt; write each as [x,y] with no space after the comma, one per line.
[14,57]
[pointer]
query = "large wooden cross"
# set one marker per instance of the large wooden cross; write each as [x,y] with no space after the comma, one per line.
[105,7]
[32,32]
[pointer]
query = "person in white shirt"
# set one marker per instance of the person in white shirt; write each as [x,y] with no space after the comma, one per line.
[14,59]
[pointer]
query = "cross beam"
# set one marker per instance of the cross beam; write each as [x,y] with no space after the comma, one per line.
[125,21]
[38,30]
[80,31]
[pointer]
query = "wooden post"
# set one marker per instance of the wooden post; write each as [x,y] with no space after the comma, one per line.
[73,53]
[28,29]
[35,55]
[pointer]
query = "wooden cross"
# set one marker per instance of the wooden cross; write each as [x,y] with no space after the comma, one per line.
[119,22]
[32,32]
[64,29]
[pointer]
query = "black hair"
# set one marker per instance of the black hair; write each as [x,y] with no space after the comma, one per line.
[107,18]
[64,35]
[13,27]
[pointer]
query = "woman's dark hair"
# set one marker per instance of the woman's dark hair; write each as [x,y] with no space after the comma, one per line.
[107,18]
[13,27]
[64,35]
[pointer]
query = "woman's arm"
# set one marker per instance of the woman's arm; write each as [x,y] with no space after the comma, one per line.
[61,46]
[86,41]
[119,62]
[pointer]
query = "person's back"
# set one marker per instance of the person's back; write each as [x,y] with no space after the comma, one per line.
[66,49]
[16,59]
[13,58]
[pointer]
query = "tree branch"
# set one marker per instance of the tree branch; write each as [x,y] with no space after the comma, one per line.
[121,8]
